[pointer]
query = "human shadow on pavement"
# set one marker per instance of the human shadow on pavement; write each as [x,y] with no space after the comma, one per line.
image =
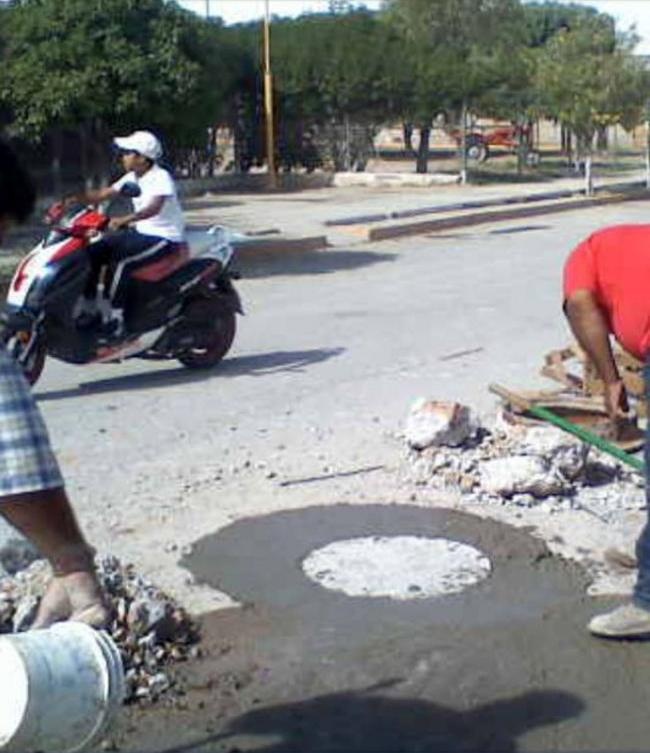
[360,722]
[269,263]
[258,364]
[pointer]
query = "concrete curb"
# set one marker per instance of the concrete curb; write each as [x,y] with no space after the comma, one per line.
[388,180]
[256,246]
[534,198]
[395,230]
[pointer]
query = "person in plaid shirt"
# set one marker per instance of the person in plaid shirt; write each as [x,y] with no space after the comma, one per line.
[32,494]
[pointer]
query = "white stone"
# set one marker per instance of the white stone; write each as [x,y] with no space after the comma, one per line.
[547,440]
[519,474]
[393,179]
[397,567]
[434,423]
[507,427]
[524,500]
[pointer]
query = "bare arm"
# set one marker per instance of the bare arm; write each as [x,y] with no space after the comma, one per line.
[92,195]
[590,327]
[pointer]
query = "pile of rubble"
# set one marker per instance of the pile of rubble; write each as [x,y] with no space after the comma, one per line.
[513,463]
[150,629]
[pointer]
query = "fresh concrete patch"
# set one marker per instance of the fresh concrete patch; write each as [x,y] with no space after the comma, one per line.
[259,560]
[397,567]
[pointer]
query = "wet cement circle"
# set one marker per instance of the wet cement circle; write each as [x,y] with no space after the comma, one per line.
[259,561]
[396,567]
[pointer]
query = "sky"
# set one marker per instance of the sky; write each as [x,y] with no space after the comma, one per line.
[626,12]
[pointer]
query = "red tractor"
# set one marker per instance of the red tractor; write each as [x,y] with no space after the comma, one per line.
[512,137]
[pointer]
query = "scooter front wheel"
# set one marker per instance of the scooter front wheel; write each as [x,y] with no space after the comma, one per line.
[30,356]
[216,345]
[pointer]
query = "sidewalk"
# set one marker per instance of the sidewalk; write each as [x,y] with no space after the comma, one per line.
[345,216]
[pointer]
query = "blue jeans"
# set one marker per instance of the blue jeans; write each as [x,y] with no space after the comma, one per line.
[642,587]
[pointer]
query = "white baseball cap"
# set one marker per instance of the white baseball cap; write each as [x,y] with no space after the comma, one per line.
[142,142]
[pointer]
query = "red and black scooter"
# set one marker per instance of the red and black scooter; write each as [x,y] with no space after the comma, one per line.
[183,307]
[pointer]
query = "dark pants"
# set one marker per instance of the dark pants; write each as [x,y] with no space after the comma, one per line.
[124,252]
[642,587]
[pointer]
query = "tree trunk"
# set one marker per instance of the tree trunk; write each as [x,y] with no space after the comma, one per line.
[347,154]
[101,163]
[522,146]
[463,146]
[647,154]
[212,150]
[589,183]
[55,164]
[84,161]
[407,135]
[567,144]
[422,163]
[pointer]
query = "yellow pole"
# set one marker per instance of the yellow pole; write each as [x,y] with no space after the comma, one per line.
[268,100]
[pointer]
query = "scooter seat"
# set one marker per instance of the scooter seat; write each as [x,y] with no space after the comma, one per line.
[159,270]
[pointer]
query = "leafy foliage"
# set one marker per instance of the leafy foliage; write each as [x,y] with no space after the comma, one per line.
[544,20]
[100,66]
[588,78]
[120,62]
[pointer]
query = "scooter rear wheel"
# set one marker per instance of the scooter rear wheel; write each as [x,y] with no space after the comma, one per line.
[33,367]
[217,345]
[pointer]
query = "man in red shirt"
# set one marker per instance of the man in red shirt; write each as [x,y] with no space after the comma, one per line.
[606,291]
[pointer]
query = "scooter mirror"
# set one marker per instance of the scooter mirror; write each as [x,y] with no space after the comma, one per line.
[130,190]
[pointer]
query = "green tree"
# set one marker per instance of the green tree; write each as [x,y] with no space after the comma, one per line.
[459,50]
[589,79]
[544,20]
[110,65]
[330,74]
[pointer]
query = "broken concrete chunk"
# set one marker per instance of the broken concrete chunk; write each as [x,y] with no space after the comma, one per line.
[434,423]
[25,613]
[152,615]
[151,630]
[570,462]
[547,440]
[519,474]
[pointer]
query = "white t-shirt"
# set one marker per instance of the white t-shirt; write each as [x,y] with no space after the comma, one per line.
[169,222]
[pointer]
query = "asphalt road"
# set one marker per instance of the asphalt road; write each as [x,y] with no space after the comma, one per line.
[304,414]
[334,347]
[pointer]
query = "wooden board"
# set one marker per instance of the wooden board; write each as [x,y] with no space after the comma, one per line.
[584,411]
[561,365]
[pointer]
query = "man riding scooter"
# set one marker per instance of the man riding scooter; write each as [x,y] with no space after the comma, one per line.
[159,228]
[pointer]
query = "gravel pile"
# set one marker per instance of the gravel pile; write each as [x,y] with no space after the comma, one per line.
[152,632]
[523,465]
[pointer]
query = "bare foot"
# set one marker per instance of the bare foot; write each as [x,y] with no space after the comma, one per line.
[55,606]
[97,616]
[88,601]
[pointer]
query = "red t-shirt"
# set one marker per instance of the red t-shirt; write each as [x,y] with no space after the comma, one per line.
[614,264]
